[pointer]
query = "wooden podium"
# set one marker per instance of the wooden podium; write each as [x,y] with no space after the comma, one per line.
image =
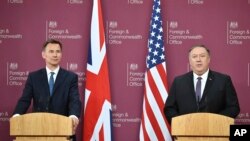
[41,127]
[201,127]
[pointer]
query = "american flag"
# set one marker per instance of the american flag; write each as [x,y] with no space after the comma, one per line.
[97,108]
[154,125]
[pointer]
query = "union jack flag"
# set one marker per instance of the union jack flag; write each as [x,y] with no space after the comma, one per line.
[154,125]
[97,108]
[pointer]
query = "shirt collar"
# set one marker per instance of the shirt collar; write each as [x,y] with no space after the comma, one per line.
[203,76]
[55,71]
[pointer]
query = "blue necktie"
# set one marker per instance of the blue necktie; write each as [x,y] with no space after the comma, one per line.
[198,89]
[51,83]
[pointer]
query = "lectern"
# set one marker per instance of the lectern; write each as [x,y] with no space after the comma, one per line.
[41,127]
[201,127]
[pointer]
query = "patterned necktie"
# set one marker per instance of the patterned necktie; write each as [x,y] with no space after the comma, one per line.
[198,89]
[51,83]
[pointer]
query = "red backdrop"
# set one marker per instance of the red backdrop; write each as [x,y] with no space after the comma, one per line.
[221,25]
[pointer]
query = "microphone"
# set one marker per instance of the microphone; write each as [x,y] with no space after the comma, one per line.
[198,104]
[207,108]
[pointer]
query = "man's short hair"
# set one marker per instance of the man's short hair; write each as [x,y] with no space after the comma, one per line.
[203,46]
[52,41]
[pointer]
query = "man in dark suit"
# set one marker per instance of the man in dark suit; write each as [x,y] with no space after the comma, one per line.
[201,90]
[52,89]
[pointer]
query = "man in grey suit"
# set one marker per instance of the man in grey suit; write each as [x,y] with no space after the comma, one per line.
[52,89]
[201,90]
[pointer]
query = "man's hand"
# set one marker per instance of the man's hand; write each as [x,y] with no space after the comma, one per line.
[75,122]
[16,115]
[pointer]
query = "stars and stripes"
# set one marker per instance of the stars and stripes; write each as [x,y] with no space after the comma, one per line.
[154,125]
[97,109]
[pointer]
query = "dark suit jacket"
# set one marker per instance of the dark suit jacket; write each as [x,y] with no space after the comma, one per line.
[219,96]
[64,101]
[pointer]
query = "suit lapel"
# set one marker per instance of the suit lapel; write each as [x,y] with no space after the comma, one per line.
[210,80]
[59,79]
[191,85]
[44,81]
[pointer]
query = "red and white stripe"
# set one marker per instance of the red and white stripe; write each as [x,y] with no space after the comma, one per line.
[154,125]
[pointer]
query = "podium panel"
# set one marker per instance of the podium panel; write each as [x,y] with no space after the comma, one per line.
[41,139]
[202,139]
[201,127]
[41,127]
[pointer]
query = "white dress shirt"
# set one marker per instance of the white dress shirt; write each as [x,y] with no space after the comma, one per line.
[203,81]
